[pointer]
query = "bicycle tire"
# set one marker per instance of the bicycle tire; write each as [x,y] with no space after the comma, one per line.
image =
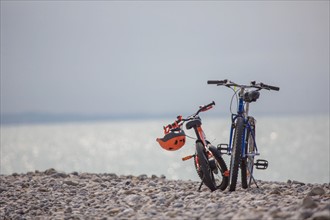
[236,153]
[248,162]
[203,170]
[221,165]
[246,168]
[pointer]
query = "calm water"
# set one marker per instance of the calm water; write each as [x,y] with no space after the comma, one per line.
[297,148]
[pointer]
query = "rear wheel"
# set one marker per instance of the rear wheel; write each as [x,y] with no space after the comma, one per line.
[220,173]
[203,168]
[236,153]
[248,162]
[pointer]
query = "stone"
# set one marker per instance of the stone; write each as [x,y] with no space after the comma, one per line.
[50,171]
[316,191]
[153,176]
[3,189]
[305,214]
[113,211]
[152,184]
[142,177]
[59,175]
[43,189]
[324,215]
[75,173]
[308,202]
[112,176]
[24,185]
[98,180]
[178,205]
[165,188]
[276,191]
[71,183]
[68,210]
[297,182]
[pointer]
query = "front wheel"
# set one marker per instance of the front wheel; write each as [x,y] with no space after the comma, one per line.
[203,168]
[236,153]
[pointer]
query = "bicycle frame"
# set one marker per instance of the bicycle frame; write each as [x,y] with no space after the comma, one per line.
[200,134]
[242,112]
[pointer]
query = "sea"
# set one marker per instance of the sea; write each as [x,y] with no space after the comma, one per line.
[296,147]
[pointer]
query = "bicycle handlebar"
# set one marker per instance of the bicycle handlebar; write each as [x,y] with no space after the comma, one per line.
[204,108]
[177,123]
[217,82]
[265,86]
[252,85]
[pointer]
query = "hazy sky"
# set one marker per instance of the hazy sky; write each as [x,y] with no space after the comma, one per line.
[154,57]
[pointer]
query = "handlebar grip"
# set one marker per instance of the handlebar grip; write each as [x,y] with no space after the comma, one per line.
[270,87]
[212,103]
[206,107]
[217,82]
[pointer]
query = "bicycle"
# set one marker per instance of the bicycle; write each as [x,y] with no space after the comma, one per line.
[242,145]
[209,164]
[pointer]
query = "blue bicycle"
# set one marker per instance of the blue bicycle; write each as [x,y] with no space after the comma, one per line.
[242,143]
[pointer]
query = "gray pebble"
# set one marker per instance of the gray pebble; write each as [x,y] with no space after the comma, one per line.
[152,184]
[50,171]
[71,183]
[142,177]
[3,189]
[308,202]
[324,215]
[298,182]
[305,214]
[317,191]
[276,191]
[153,176]
[178,205]
[59,175]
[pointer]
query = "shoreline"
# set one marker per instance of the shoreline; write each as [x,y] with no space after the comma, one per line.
[53,194]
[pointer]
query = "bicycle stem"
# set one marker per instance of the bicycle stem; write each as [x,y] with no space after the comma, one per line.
[247,109]
[241,102]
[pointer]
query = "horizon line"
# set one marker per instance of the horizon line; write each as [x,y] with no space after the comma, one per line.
[44,117]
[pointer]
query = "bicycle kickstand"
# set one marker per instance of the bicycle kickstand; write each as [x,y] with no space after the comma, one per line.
[255,182]
[200,186]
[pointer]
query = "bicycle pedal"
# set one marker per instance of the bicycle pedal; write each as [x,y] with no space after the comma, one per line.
[253,154]
[223,148]
[188,157]
[261,164]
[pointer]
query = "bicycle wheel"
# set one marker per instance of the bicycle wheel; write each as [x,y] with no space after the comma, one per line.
[220,172]
[203,168]
[248,162]
[236,153]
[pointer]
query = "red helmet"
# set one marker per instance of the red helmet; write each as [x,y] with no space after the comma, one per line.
[172,141]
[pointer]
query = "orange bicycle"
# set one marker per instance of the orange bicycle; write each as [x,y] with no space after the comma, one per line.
[209,164]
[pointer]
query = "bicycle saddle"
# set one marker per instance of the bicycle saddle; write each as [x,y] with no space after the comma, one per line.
[194,123]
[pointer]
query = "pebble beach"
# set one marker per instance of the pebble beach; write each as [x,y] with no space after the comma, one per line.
[52,194]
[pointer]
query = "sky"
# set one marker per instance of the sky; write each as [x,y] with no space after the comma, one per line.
[155,57]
